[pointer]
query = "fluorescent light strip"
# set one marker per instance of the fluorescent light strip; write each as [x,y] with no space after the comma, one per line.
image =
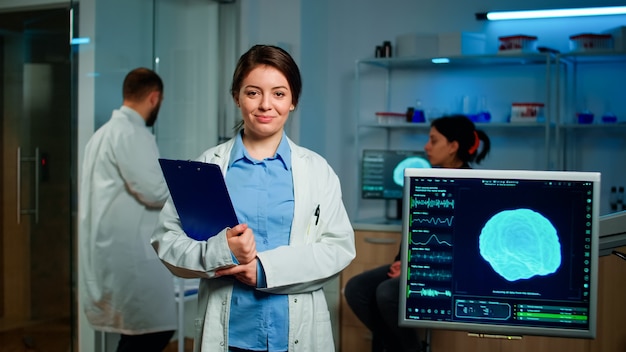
[589,11]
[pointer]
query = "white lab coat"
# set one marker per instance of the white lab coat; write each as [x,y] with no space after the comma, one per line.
[125,287]
[318,250]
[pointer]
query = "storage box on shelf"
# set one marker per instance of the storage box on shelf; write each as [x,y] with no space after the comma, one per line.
[417,45]
[517,44]
[591,42]
[461,43]
[527,112]
[427,45]
[619,38]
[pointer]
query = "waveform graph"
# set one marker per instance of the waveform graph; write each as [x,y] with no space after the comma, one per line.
[418,220]
[431,292]
[429,274]
[435,257]
[431,203]
[428,239]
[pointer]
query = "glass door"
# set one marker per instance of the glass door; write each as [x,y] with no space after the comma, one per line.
[36,99]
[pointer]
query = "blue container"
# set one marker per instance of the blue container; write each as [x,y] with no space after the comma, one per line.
[483,116]
[418,116]
[585,118]
[609,118]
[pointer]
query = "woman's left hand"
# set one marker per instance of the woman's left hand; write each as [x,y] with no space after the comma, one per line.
[394,269]
[246,273]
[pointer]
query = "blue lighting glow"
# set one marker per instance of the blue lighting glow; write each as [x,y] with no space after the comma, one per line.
[440,60]
[577,12]
[77,41]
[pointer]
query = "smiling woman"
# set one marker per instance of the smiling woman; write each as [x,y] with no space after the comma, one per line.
[265,101]
[293,236]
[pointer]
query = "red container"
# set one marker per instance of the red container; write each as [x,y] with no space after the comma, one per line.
[591,42]
[527,112]
[517,44]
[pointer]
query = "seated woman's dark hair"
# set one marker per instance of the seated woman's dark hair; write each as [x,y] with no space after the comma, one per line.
[461,129]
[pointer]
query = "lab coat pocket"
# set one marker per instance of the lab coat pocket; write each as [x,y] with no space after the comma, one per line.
[323,331]
[198,325]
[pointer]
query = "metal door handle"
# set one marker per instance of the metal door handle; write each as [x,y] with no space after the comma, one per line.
[35,160]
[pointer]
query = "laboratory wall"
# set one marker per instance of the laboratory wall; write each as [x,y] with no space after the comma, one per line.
[335,34]
[326,38]
[179,40]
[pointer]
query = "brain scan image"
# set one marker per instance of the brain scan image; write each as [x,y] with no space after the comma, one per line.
[520,244]
[412,162]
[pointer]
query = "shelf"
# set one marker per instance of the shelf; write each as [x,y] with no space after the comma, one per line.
[460,61]
[407,125]
[480,125]
[607,56]
[596,126]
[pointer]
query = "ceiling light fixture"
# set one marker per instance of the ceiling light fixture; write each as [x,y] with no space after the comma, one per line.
[530,14]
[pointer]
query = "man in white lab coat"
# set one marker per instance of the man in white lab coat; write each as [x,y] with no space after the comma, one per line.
[125,287]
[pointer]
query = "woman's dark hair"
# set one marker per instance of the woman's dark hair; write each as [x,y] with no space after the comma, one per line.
[139,82]
[461,129]
[271,56]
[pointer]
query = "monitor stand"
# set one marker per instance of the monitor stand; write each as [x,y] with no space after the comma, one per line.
[394,214]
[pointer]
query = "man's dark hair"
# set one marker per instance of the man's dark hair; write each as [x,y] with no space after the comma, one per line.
[140,82]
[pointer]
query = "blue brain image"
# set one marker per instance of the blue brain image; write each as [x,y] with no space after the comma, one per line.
[413,162]
[520,244]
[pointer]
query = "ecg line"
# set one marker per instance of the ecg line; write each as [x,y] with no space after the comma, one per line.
[427,292]
[430,238]
[433,275]
[433,220]
[432,203]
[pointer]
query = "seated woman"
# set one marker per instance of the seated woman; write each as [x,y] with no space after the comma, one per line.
[453,142]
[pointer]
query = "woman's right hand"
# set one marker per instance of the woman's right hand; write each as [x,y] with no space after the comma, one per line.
[241,242]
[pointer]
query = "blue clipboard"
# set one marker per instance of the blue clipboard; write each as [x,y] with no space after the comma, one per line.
[200,197]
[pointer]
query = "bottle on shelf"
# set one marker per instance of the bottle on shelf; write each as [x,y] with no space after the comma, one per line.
[418,112]
[482,113]
[608,116]
[613,199]
[387,52]
[379,51]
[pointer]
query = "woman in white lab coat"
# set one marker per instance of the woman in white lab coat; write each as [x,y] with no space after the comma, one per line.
[262,281]
[124,286]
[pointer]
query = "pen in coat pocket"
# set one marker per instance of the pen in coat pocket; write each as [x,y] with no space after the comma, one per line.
[317,219]
[317,214]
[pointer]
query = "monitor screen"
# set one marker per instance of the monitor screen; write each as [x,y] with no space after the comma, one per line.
[503,252]
[382,171]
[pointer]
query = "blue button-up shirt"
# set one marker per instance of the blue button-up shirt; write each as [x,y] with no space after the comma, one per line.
[262,194]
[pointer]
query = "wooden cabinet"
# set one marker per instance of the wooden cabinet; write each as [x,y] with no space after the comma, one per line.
[373,249]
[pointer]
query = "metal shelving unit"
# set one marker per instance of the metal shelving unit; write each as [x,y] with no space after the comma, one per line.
[366,125]
[572,64]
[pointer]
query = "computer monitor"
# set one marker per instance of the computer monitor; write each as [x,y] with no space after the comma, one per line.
[500,252]
[382,171]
